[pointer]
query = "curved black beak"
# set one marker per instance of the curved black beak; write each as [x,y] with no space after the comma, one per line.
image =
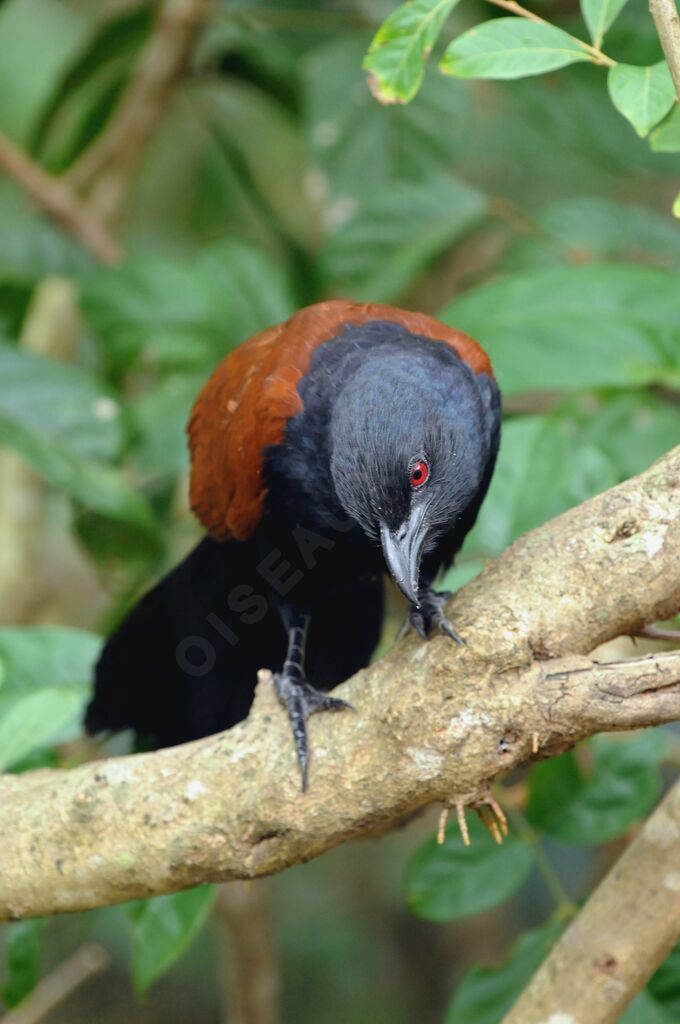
[403,549]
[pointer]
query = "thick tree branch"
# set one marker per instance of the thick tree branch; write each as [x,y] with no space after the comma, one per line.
[625,931]
[667,23]
[434,722]
[59,201]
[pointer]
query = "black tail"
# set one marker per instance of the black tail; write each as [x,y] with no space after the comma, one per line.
[184,663]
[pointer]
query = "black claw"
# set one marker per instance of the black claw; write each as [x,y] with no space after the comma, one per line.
[447,628]
[431,614]
[300,701]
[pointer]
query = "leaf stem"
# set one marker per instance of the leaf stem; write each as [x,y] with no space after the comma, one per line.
[597,55]
[566,908]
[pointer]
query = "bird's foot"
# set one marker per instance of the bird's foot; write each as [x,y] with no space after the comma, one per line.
[301,700]
[430,615]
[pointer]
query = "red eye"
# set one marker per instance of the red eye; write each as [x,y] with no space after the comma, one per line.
[419,474]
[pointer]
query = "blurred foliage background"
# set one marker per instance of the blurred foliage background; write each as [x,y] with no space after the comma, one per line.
[530,214]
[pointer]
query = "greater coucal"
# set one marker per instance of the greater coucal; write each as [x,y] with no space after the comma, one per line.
[350,438]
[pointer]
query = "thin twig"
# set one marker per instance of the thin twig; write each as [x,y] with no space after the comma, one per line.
[85,963]
[667,23]
[59,201]
[111,161]
[598,56]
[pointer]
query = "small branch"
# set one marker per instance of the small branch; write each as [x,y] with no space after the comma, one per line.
[250,973]
[112,160]
[434,723]
[665,15]
[597,55]
[625,931]
[58,200]
[86,963]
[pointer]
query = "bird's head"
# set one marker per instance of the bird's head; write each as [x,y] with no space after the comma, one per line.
[407,457]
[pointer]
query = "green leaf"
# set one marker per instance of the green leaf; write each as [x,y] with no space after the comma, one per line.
[591,230]
[444,883]
[163,929]
[485,994]
[643,95]
[94,486]
[182,314]
[41,35]
[396,58]
[665,984]
[544,468]
[599,15]
[357,145]
[394,233]
[510,48]
[61,402]
[666,138]
[31,248]
[602,803]
[646,1010]
[22,960]
[633,430]
[45,678]
[567,328]
[160,418]
[250,125]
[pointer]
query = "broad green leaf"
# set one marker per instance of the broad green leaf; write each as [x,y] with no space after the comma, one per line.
[576,327]
[45,678]
[396,58]
[666,138]
[643,95]
[43,36]
[510,48]
[633,430]
[544,468]
[31,248]
[86,95]
[251,125]
[591,230]
[356,145]
[485,994]
[163,929]
[599,15]
[444,883]
[603,802]
[37,720]
[395,233]
[665,985]
[22,960]
[92,485]
[646,1010]
[185,314]
[61,402]
[160,418]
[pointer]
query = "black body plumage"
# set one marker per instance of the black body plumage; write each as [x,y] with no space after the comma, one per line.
[374,399]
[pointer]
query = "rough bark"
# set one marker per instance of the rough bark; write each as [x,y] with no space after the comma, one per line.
[625,931]
[433,722]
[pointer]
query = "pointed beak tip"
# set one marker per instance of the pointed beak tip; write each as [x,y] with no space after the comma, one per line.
[402,557]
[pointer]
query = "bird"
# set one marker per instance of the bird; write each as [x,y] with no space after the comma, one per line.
[353,441]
